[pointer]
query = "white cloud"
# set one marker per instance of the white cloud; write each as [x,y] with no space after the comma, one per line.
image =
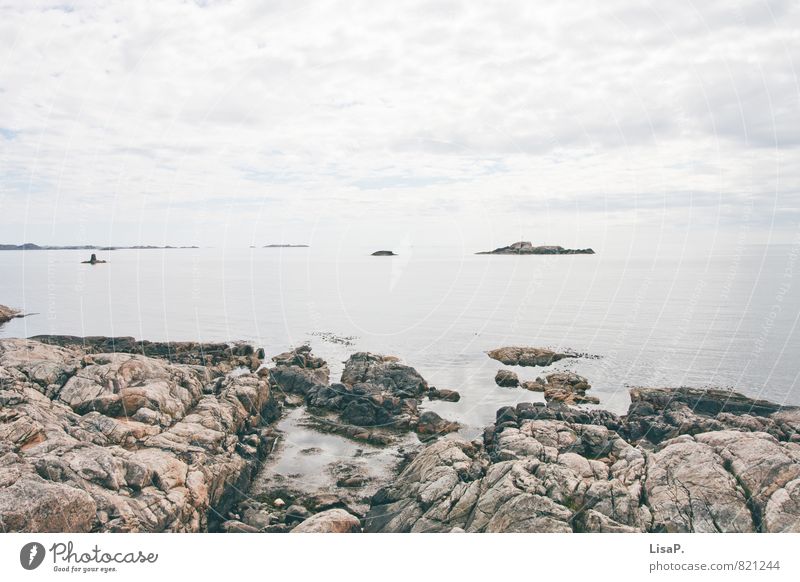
[209,121]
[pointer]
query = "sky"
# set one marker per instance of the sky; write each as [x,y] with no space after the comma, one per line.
[604,124]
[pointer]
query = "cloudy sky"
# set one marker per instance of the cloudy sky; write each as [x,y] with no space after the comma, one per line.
[601,123]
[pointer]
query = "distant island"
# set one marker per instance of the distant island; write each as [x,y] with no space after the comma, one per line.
[285,246]
[35,247]
[384,254]
[526,248]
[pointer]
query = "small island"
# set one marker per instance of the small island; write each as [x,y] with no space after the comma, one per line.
[93,260]
[384,254]
[526,248]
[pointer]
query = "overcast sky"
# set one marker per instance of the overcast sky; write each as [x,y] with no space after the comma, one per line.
[601,123]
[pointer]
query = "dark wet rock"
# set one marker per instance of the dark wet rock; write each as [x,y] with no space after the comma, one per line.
[430,423]
[506,378]
[364,404]
[298,371]
[300,357]
[526,248]
[657,414]
[403,381]
[121,441]
[524,356]
[378,395]
[444,394]
[330,521]
[384,254]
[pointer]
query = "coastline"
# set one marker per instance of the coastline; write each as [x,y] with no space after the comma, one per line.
[127,435]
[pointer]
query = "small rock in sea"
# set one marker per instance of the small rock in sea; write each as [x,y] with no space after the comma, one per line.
[384,254]
[533,385]
[93,260]
[524,356]
[446,395]
[569,388]
[506,378]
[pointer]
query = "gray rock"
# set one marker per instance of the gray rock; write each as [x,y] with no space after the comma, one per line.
[525,356]
[330,521]
[82,455]
[506,378]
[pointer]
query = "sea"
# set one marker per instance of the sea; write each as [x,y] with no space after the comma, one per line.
[723,319]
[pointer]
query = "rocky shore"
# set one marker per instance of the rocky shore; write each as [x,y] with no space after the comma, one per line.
[113,434]
[7,314]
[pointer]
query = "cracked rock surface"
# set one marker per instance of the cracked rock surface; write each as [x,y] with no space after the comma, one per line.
[730,464]
[95,441]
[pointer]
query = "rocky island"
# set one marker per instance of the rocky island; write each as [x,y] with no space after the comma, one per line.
[102,434]
[384,254]
[526,248]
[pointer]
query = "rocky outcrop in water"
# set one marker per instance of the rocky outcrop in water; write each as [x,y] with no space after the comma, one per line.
[7,314]
[524,356]
[567,387]
[384,254]
[506,379]
[95,441]
[93,260]
[377,395]
[526,248]
[559,469]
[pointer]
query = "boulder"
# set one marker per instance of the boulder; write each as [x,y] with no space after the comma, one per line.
[330,521]
[506,378]
[401,380]
[569,388]
[446,395]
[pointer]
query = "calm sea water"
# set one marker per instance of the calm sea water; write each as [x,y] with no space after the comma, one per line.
[726,320]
